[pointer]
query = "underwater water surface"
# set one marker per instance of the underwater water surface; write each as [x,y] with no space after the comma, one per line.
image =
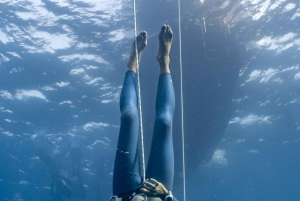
[62,64]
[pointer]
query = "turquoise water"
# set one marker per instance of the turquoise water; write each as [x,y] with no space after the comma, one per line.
[62,64]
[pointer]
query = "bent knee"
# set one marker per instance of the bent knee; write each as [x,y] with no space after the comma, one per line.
[164,122]
[129,115]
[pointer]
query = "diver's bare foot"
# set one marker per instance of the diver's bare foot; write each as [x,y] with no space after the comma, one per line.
[165,42]
[141,40]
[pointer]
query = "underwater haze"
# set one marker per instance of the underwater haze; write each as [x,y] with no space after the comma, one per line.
[62,64]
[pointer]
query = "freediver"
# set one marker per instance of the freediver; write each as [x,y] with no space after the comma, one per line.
[128,183]
[62,186]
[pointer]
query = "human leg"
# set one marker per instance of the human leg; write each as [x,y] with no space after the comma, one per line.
[127,176]
[161,159]
[141,40]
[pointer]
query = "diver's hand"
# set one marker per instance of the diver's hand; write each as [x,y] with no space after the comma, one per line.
[154,188]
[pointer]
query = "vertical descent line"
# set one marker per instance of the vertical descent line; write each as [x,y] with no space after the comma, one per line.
[181,102]
[139,94]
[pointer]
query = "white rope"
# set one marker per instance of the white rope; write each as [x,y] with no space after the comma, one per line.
[139,95]
[181,102]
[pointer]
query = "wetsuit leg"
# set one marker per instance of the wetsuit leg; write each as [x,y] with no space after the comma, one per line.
[161,158]
[127,177]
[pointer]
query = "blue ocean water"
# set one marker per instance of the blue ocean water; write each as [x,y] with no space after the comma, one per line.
[62,64]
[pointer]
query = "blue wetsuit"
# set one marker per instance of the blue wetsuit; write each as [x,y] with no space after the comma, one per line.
[127,176]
